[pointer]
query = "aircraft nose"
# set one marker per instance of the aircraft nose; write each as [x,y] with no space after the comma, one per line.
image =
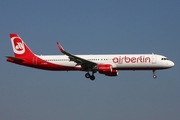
[171,64]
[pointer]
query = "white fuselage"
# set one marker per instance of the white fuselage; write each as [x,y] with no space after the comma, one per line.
[118,61]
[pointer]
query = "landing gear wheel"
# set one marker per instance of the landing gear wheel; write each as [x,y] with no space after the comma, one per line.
[92,77]
[154,76]
[87,75]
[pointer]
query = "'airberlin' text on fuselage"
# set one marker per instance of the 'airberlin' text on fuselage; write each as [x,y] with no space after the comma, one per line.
[125,59]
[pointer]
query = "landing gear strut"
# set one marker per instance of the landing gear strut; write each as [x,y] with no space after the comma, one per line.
[92,77]
[154,74]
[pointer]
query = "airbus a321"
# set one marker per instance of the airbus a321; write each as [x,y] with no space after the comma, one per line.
[107,64]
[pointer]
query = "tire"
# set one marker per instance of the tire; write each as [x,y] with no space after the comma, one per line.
[87,75]
[154,76]
[92,77]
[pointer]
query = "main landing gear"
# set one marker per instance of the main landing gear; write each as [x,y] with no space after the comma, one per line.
[92,77]
[154,74]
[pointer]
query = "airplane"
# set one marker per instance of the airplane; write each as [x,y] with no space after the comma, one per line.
[107,64]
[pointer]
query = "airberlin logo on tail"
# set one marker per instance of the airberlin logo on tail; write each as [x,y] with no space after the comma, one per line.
[18,45]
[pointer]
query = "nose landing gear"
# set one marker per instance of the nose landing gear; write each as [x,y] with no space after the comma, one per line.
[154,74]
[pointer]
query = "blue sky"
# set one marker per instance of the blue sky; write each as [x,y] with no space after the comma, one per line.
[90,27]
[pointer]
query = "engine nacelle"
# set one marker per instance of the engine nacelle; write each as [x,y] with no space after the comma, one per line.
[107,70]
[113,73]
[104,68]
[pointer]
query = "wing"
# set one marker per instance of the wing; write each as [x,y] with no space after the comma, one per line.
[85,64]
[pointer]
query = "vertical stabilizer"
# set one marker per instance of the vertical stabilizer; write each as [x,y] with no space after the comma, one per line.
[21,50]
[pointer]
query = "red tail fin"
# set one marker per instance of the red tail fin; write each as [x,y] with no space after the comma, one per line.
[21,50]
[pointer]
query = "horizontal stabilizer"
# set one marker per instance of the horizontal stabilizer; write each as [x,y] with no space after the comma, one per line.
[13,59]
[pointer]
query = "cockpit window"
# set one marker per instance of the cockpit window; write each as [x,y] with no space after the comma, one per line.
[164,59]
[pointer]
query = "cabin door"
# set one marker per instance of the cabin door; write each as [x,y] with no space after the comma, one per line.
[153,59]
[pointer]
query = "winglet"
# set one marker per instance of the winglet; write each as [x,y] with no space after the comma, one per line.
[60,47]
